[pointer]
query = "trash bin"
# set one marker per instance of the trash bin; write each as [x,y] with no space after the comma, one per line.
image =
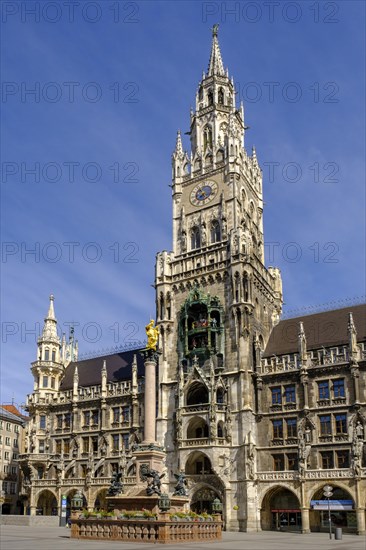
[338,533]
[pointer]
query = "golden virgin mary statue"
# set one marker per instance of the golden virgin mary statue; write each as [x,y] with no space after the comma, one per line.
[152,334]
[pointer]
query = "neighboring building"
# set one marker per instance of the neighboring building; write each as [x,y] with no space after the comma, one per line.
[12,424]
[258,411]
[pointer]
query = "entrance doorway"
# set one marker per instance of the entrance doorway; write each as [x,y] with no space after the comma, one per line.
[280,511]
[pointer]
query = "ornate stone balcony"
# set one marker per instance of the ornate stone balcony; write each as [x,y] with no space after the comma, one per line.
[196,442]
[277,476]
[192,409]
[80,482]
[339,473]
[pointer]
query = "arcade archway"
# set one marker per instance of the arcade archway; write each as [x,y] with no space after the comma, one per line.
[46,504]
[203,498]
[280,510]
[341,507]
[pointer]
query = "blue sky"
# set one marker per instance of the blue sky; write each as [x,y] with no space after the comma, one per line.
[298,66]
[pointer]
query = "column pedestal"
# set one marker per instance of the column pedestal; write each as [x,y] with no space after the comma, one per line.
[305,520]
[361,527]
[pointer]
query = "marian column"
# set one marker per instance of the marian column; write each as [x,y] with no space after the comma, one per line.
[150,384]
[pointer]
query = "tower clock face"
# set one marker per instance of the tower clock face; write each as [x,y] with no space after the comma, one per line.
[203,193]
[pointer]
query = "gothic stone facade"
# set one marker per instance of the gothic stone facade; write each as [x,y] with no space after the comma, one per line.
[256,413]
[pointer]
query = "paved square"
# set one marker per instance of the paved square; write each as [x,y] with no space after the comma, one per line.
[58,538]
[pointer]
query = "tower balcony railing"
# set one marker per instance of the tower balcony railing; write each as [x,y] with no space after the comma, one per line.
[202,407]
[199,442]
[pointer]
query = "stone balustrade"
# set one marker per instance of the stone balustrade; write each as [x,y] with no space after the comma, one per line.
[309,474]
[146,530]
[94,482]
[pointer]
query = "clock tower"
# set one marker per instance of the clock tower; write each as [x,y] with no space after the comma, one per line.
[216,304]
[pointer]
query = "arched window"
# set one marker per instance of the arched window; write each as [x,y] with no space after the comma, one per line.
[220,429]
[220,156]
[220,396]
[221,97]
[197,165]
[215,232]
[210,97]
[161,306]
[200,93]
[46,354]
[197,394]
[195,238]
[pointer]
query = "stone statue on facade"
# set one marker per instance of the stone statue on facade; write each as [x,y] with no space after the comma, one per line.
[102,445]
[250,461]
[357,449]
[134,440]
[74,447]
[304,448]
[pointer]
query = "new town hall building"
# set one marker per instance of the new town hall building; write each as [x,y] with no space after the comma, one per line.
[258,411]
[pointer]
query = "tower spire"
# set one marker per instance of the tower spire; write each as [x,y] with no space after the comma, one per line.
[50,322]
[216,66]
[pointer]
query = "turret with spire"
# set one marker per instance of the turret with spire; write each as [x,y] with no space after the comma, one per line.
[48,369]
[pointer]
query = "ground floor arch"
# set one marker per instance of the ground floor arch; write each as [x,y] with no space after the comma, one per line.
[342,510]
[46,504]
[69,495]
[100,502]
[203,497]
[280,510]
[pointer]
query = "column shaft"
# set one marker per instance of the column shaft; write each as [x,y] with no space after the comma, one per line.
[150,402]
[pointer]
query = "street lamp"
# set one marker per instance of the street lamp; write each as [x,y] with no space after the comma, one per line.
[328,492]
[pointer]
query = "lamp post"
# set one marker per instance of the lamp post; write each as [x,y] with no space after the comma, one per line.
[328,492]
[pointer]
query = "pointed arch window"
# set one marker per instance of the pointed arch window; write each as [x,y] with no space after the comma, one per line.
[200,93]
[246,287]
[221,97]
[195,238]
[220,429]
[220,155]
[210,97]
[215,232]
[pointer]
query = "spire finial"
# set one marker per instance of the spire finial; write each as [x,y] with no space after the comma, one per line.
[216,66]
[51,310]
[179,145]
